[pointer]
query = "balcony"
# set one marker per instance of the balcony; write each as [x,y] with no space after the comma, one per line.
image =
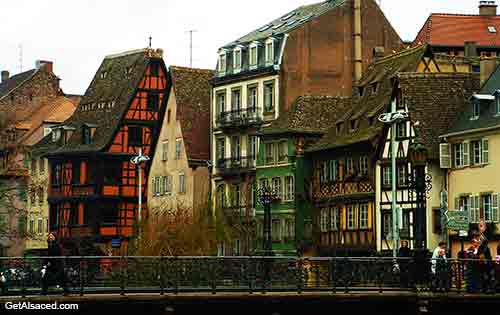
[234,166]
[238,118]
[340,189]
[73,190]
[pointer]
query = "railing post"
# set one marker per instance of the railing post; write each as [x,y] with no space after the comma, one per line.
[82,267]
[213,268]
[160,275]
[122,275]
[333,265]
[177,274]
[23,275]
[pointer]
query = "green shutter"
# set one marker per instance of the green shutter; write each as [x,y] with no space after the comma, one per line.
[494,208]
[485,154]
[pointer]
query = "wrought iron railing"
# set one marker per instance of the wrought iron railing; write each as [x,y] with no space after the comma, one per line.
[81,275]
[239,117]
[236,164]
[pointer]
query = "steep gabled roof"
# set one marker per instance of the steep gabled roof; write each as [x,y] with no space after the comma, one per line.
[15,81]
[309,115]
[435,100]
[455,29]
[192,94]
[289,21]
[106,100]
[377,85]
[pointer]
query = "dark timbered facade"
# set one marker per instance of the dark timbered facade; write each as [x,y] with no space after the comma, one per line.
[93,192]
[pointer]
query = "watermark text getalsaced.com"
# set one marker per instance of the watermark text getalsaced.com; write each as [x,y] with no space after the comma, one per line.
[40,306]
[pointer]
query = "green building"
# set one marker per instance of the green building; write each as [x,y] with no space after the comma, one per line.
[281,165]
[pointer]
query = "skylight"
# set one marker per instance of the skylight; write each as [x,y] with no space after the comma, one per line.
[492,29]
[291,22]
[286,17]
[278,26]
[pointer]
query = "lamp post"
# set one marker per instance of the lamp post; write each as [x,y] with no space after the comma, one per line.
[420,184]
[266,196]
[138,160]
[392,119]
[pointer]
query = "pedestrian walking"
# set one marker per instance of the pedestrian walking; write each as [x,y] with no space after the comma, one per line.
[44,279]
[438,257]
[472,265]
[404,255]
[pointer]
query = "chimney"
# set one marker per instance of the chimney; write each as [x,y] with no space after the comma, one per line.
[378,52]
[47,65]
[358,51]
[487,66]
[5,76]
[470,49]
[487,8]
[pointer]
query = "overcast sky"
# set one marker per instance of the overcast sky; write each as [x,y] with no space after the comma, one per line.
[77,34]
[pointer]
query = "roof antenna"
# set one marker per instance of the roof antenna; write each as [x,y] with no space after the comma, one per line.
[20,58]
[150,39]
[191,47]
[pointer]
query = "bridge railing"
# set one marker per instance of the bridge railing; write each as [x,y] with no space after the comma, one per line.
[81,275]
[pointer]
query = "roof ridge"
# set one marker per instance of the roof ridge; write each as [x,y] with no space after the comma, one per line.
[20,83]
[400,53]
[191,69]
[126,53]
[465,14]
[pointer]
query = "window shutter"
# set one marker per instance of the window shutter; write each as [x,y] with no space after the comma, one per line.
[466,153]
[477,209]
[472,209]
[457,203]
[153,184]
[494,208]
[485,155]
[445,155]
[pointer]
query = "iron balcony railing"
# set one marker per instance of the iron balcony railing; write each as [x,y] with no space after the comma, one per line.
[112,274]
[236,164]
[239,117]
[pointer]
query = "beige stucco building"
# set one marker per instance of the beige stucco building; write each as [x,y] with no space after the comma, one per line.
[179,174]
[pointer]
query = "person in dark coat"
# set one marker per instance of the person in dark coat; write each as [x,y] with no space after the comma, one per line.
[486,267]
[404,263]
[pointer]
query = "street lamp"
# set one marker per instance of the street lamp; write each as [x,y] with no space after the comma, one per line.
[138,160]
[393,118]
[266,196]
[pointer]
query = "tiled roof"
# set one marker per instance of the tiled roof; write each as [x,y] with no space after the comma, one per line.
[456,29]
[114,83]
[488,114]
[192,93]
[435,100]
[14,82]
[377,88]
[310,114]
[289,21]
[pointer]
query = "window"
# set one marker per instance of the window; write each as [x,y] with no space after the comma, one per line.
[270,52]
[104,74]
[401,130]
[363,165]
[475,110]
[112,174]
[485,152]
[56,174]
[387,225]
[289,188]
[221,102]
[152,102]
[168,184]
[349,166]
[332,170]
[222,62]
[269,150]
[41,196]
[334,219]
[497,104]
[164,151]
[461,151]
[486,205]
[363,216]
[236,196]
[220,148]
[235,148]
[46,131]
[33,166]
[221,196]
[32,227]
[41,165]
[40,226]
[283,151]
[253,56]
[168,116]
[236,100]
[134,135]
[46,225]
[401,175]
[492,29]
[289,229]
[86,135]
[252,97]
[237,59]
[351,224]
[252,147]
[269,96]
[276,230]
[387,177]
[263,182]
[154,65]
[182,183]
[236,247]
[178,143]
[277,187]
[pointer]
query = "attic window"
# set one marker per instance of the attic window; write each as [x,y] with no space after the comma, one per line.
[288,16]
[475,110]
[374,88]
[128,71]
[265,28]
[492,29]
[340,125]
[88,134]
[291,22]
[104,74]
[278,26]
[361,90]
[56,135]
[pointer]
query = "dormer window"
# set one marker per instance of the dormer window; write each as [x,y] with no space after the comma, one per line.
[265,28]
[104,74]
[288,16]
[237,60]
[222,62]
[253,55]
[497,104]
[475,110]
[270,51]
[56,134]
[492,29]
[88,132]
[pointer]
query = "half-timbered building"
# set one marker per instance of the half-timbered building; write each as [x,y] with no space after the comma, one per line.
[93,192]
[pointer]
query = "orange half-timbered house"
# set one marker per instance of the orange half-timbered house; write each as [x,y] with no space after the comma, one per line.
[93,193]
